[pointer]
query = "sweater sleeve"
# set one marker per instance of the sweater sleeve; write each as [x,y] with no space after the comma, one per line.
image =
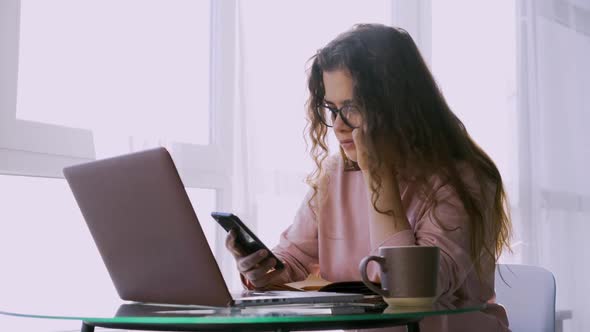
[444,225]
[298,245]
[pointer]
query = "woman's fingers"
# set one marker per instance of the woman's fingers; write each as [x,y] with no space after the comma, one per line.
[266,279]
[250,262]
[254,267]
[361,152]
[261,269]
[232,246]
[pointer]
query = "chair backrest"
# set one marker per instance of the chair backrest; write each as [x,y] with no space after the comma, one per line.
[528,294]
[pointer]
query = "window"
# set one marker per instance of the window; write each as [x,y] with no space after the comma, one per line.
[83,65]
[83,83]
[474,63]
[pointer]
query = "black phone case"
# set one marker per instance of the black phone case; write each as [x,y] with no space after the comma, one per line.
[245,237]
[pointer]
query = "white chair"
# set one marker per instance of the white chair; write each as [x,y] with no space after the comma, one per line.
[528,294]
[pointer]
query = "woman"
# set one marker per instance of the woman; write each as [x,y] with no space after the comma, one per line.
[408,173]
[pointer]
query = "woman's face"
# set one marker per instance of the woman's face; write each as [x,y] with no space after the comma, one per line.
[338,87]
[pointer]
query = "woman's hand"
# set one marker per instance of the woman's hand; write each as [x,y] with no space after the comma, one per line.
[257,268]
[387,169]
[362,155]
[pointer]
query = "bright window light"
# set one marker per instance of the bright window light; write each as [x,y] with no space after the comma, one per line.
[117,67]
[474,62]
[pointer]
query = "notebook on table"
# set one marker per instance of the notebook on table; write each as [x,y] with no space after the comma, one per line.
[150,239]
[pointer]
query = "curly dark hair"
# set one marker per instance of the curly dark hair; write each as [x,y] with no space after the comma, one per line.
[408,124]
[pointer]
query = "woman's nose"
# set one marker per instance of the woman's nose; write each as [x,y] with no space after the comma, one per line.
[339,125]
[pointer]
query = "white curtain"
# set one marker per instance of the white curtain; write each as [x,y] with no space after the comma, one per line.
[554,150]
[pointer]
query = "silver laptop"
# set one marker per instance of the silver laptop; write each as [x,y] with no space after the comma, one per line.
[150,239]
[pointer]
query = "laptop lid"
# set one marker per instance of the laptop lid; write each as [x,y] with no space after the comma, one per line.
[146,230]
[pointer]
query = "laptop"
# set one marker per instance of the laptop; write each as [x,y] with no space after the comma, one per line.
[150,239]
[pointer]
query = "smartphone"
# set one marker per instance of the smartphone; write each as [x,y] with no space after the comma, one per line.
[245,238]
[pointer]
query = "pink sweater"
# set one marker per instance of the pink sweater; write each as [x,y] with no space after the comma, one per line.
[332,242]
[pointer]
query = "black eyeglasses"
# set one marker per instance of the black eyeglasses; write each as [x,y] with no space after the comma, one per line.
[349,113]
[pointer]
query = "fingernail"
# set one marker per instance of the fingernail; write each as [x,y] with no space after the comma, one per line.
[263,253]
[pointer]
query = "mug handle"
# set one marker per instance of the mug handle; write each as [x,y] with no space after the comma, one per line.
[363,268]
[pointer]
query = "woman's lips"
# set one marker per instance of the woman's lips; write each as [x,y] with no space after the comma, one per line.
[348,144]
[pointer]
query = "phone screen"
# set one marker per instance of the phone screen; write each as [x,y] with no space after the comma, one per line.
[246,239]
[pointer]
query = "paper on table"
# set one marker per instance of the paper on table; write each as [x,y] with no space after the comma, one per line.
[312,283]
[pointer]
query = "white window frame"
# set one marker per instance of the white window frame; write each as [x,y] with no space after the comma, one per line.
[26,147]
[36,149]
[415,16]
[532,196]
[55,147]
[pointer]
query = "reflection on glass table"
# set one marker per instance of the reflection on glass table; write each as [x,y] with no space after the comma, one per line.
[137,316]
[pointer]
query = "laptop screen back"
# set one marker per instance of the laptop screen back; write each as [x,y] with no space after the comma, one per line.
[146,230]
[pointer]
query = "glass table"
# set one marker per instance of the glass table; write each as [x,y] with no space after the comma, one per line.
[136,316]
